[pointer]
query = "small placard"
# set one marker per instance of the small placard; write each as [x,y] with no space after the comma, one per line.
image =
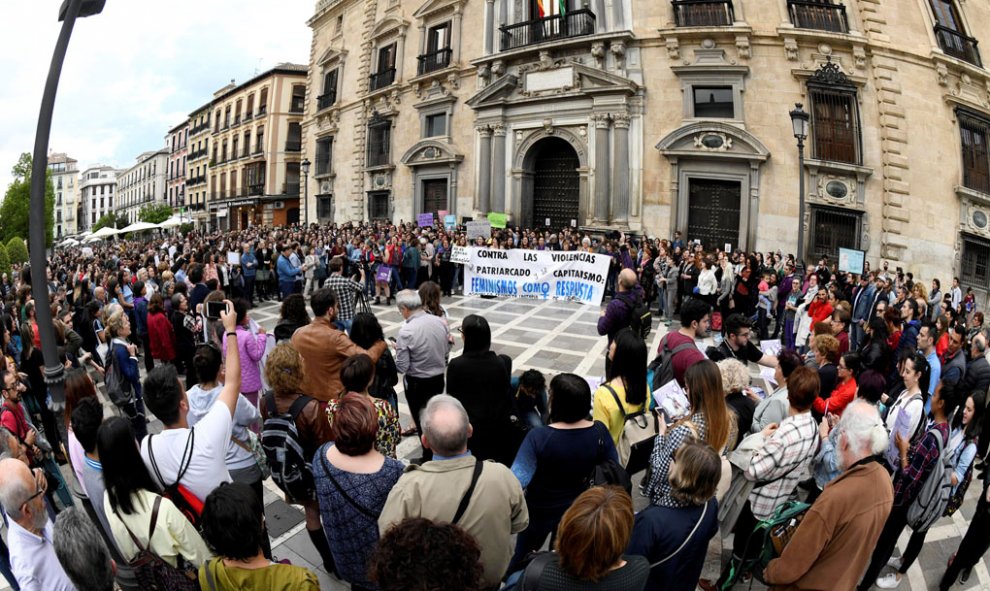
[449,221]
[548,222]
[460,254]
[574,223]
[424,220]
[497,219]
[233,258]
[771,347]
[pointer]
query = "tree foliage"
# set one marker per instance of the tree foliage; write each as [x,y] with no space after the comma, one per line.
[17,252]
[155,213]
[4,261]
[110,219]
[14,212]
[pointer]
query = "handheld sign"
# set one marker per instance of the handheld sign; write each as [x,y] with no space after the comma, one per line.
[449,221]
[233,258]
[460,254]
[851,261]
[479,229]
[424,219]
[497,220]
[771,347]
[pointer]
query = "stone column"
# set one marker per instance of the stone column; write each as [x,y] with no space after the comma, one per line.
[602,164]
[485,169]
[498,167]
[620,175]
[489,26]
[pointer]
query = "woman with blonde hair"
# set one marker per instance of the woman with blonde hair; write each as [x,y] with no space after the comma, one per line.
[591,541]
[709,422]
[735,383]
[284,370]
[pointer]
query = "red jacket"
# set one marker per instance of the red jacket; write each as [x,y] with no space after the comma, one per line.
[161,336]
[843,394]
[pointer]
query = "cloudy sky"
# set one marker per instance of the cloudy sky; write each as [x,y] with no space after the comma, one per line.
[134,71]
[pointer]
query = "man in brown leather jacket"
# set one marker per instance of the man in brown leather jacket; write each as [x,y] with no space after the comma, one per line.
[324,348]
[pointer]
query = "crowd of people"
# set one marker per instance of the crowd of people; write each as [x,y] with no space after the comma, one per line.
[879,386]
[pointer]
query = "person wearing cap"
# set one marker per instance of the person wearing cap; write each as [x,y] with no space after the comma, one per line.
[287,272]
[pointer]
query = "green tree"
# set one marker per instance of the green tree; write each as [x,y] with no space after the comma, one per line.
[4,260]
[17,252]
[16,205]
[110,219]
[155,213]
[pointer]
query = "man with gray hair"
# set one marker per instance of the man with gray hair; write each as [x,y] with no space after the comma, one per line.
[82,552]
[484,498]
[421,350]
[832,546]
[32,557]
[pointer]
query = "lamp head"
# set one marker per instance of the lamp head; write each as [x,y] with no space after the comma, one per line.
[86,8]
[799,121]
[304,166]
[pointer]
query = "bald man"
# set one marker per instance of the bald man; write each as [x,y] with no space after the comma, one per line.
[32,556]
[618,314]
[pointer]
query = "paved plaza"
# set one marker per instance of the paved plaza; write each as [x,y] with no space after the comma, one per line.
[559,337]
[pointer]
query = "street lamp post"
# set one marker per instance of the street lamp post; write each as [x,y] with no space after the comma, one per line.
[54,372]
[304,166]
[799,123]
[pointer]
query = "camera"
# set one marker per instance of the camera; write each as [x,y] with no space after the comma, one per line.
[213,310]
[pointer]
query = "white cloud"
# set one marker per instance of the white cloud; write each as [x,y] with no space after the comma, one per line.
[134,71]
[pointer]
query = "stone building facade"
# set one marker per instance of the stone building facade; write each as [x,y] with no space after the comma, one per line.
[198,165]
[65,178]
[142,184]
[255,150]
[656,116]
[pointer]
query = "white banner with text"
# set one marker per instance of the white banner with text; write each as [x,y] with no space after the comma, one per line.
[538,274]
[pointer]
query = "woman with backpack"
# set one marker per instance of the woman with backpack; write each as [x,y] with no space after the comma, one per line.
[709,422]
[554,461]
[918,461]
[134,508]
[285,403]
[122,361]
[625,390]
[962,448]
[916,373]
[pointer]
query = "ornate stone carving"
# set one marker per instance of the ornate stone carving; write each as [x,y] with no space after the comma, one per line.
[673,48]
[621,120]
[829,74]
[484,72]
[943,74]
[859,57]
[602,120]
[618,49]
[713,142]
[837,190]
[498,129]
[791,48]
[598,52]
[742,45]
[498,67]
[483,130]
[548,126]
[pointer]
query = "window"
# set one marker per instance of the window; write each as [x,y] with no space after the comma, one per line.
[951,36]
[834,129]
[291,178]
[263,102]
[434,195]
[293,141]
[324,206]
[436,125]
[260,142]
[714,102]
[703,13]
[324,156]
[385,73]
[340,24]
[250,107]
[329,95]
[975,261]
[832,229]
[975,156]
[379,140]
[378,205]
[298,98]
[438,52]
[823,15]
[247,144]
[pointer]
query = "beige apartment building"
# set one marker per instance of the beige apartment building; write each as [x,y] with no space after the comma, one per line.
[255,150]
[661,116]
[177,144]
[65,178]
[197,166]
[142,184]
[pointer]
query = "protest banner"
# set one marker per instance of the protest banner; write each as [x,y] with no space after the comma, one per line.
[479,229]
[497,220]
[460,254]
[424,219]
[539,274]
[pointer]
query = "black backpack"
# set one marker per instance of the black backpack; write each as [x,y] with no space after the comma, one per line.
[291,468]
[641,320]
[608,472]
[151,571]
[662,365]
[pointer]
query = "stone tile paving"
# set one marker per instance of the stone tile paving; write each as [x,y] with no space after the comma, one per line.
[558,337]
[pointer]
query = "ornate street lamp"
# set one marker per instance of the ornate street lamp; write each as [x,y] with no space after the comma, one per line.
[54,372]
[799,123]
[304,167]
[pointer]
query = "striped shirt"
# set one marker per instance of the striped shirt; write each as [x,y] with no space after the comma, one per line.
[781,463]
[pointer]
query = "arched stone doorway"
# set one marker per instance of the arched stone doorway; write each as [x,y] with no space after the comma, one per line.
[552,184]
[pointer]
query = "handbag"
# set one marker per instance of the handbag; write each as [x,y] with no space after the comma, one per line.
[636,441]
[253,446]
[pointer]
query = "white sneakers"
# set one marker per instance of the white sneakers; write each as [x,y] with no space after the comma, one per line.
[888,581]
[894,563]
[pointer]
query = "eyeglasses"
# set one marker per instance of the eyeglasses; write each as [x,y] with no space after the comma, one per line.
[41,484]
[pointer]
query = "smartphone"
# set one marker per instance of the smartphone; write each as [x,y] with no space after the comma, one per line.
[213,310]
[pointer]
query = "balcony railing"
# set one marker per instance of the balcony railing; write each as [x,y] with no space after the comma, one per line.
[293,146]
[325,100]
[433,61]
[257,189]
[291,188]
[958,45]
[806,14]
[381,79]
[559,26]
[248,115]
[703,13]
[261,111]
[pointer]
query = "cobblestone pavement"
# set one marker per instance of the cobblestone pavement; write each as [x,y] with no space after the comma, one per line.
[560,337]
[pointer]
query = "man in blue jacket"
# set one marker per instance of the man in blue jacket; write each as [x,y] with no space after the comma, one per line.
[287,273]
[861,310]
[249,268]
